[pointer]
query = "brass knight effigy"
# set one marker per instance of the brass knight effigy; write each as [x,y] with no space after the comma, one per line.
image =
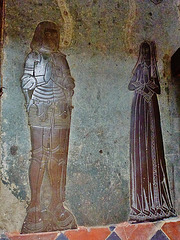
[48,88]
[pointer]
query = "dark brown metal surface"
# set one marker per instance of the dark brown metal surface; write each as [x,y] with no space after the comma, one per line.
[156,1]
[150,194]
[48,88]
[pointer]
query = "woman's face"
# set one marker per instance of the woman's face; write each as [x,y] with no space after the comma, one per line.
[146,53]
[50,40]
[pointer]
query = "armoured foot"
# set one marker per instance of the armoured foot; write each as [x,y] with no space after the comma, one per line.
[59,219]
[33,222]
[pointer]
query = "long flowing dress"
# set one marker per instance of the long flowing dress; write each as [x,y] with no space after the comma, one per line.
[150,197]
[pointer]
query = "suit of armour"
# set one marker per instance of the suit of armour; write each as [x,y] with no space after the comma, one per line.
[48,88]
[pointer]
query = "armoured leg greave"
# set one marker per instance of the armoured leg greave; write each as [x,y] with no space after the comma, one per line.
[49,151]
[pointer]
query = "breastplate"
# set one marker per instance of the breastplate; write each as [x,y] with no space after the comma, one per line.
[46,91]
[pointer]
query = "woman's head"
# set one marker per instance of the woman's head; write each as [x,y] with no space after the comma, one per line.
[146,52]
[46,36]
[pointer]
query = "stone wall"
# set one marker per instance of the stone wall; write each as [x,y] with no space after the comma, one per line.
[101,41]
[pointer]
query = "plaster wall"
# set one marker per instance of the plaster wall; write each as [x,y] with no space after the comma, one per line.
[104,37]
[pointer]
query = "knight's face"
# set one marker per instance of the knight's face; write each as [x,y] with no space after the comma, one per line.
[50,40]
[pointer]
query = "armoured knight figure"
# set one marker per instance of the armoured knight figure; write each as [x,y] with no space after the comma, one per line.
[48,88]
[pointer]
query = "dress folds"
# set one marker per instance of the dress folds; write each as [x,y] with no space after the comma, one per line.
[150,197]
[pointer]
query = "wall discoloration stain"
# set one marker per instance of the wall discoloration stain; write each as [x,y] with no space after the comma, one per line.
[68,23]
[129,26]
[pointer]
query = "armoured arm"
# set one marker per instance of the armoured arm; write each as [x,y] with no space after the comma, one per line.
[68,81]
[61,72]
[29,82]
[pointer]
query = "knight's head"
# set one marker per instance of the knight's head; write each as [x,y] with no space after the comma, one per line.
[46,37]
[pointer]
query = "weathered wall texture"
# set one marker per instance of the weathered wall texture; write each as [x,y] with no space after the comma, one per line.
[105,41]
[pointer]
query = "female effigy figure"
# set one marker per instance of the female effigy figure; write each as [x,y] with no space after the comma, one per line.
[48,88]
[150,197]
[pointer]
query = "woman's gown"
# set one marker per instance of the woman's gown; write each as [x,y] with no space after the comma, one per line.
[150,193]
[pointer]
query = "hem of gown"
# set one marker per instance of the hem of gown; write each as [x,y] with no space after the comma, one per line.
[142,217]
